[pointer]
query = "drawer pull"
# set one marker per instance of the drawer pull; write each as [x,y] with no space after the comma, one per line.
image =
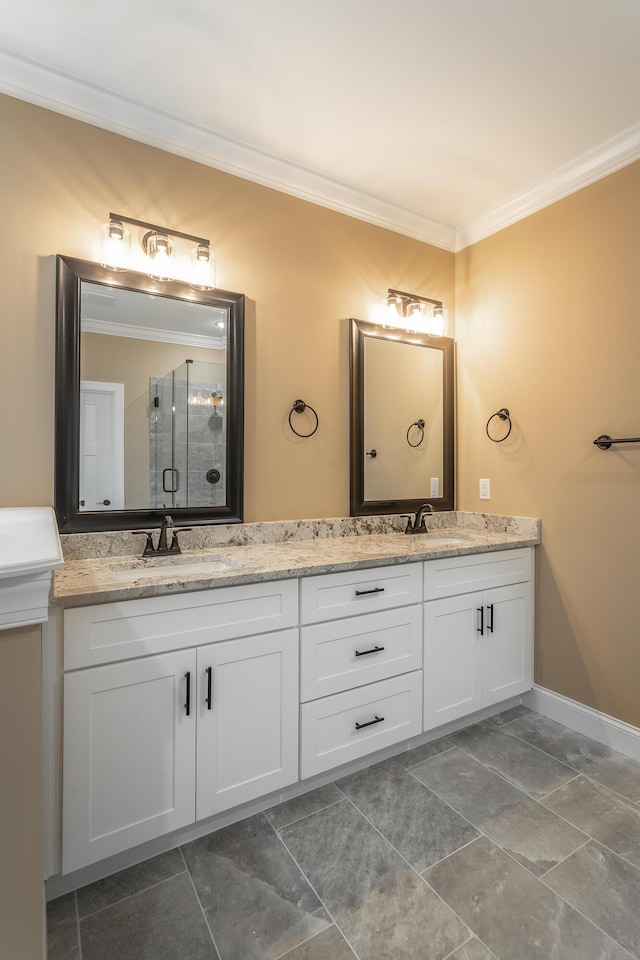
[480,629]
[364,593]
[365,653]
[361,726]
[187,704]
[208,699]
[490,623]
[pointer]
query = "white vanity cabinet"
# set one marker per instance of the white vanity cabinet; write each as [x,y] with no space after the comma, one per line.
[478,644]
[179,707]
[154,743]
[361,660]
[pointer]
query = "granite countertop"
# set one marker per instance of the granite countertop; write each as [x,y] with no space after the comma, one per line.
[304,549]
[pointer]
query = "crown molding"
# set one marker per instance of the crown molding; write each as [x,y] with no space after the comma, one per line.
[54,90]
[28,80]
[593,165]
[112,329]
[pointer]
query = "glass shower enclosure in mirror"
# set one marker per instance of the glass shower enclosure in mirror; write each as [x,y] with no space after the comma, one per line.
[401,420]
[149,401]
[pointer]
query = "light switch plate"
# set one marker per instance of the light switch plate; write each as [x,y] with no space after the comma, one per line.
[435,487]
[485,489]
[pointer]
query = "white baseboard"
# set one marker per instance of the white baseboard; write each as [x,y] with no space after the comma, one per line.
[599,726]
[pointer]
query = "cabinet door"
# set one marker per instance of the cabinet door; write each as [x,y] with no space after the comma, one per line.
[452,659]
[508,647]
[129,755]
[248,726]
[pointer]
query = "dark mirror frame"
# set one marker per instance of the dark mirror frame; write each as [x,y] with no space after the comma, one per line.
[70,274]
[365,508]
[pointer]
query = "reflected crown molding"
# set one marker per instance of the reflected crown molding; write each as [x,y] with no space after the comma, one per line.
[149,333]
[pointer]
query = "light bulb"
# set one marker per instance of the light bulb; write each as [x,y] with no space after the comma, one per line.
[439,320]
[203,268]
[159,249]
[115,244]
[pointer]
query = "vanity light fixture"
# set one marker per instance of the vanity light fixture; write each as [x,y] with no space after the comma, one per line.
[412,312]
[158,244]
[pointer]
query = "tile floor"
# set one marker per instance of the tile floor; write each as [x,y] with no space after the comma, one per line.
[515,839]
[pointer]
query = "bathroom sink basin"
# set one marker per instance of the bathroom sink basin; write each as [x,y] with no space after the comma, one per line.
[182,564]
[437,541]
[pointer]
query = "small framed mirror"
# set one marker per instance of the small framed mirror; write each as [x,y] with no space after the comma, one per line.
[149,401]
[402,420]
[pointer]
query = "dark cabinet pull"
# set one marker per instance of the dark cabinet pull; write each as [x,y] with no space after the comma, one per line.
[480,629]
[490,622]
[187,705]
[208,699]
[365,653]
[361,726]
[364,593]
[105,503]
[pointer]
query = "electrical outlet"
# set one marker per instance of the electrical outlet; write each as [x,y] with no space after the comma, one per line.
[435,487]
[485,489]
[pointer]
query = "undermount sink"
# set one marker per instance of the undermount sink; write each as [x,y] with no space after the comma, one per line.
[443,541]
[147,568]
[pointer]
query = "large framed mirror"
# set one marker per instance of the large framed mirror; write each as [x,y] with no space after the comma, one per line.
[149,401]
[402,420]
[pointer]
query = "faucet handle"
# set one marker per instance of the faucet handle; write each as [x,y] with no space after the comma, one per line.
[411,519]
[149,547]
[175,546]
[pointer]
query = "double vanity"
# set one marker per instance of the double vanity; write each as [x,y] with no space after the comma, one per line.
[264,659]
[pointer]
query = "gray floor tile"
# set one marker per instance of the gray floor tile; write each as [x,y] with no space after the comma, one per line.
[585,755]
[425,751]
[382,906]
[605,888]
[257,902]
[302,806]
[328,945]
[119,886]
[473,950]
[62,929]
[418,824]
[529,832]
[513,713]
[512,912]
[164,922]
[605,816]
[61,910]
[518,762]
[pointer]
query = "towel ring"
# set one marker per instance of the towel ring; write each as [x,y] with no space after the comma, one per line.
[420,425]
[299,406]
[502,414]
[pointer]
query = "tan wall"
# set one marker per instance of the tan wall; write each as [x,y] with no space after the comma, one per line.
[305,269]
[132,362]
[548,325]
[21,888]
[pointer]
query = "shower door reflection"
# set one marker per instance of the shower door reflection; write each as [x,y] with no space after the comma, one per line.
[187,435]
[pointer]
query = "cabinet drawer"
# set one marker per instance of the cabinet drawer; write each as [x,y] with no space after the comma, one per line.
[454,575]
[134,628]
[329,733]
[334,595]
[341,654]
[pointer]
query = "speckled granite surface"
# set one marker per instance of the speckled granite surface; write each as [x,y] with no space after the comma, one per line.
[105,567]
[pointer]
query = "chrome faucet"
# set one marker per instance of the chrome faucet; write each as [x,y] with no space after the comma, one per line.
[163,547]
[416,524]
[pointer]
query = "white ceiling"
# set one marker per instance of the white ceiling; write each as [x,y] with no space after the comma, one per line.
[441,119]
